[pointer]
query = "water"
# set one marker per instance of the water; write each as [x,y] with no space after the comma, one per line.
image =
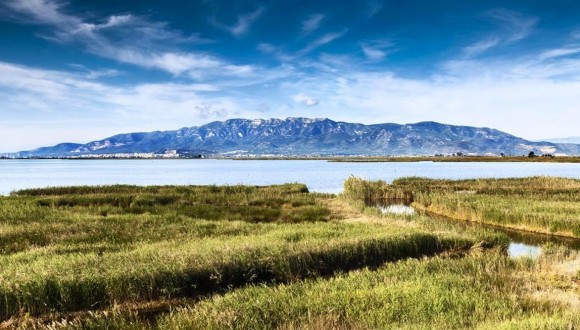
[397,209]
[521,243]
[318,175]
[523,250]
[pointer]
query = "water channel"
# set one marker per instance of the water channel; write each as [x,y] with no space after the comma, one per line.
[522,243]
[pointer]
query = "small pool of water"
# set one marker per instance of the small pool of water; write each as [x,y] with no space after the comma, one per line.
[397,209]
[522,244]
[523,250]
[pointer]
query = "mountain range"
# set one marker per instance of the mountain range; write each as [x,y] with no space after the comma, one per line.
[309,137]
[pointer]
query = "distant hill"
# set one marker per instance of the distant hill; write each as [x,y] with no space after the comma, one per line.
[305,136]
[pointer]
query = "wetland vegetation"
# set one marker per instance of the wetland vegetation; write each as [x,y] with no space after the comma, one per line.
[247,257]
[538,204]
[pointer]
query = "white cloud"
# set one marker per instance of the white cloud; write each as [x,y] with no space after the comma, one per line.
[525,97]
[33,98]
[377,50]
[41,12]
[179,63]
[117,20]
[516,25]
[129,39]
[96,74]
[480,46]
[559,52]
[325,39]
[305,99]
[373,53]
[533,96]
[312,23]
[242,25]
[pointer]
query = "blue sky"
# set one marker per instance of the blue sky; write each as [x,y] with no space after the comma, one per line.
[78,71]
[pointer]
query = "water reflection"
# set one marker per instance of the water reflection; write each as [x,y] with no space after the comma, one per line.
[523,250]
[397,209]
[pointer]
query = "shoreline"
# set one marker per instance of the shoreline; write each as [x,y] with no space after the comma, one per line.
[349,159]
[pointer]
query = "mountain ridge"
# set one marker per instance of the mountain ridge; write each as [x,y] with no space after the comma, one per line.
[298,136]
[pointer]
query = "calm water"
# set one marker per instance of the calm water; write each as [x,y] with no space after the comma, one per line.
[320,176]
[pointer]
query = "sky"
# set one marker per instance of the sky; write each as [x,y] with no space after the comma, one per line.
[78,71]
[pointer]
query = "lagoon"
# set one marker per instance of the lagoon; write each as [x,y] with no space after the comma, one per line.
[318,175]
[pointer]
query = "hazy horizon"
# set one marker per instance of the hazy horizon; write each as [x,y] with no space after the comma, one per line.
[79,71]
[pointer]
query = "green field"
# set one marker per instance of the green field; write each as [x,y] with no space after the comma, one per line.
[127,257]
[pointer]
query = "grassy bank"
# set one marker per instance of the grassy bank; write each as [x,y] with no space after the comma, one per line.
[538,204]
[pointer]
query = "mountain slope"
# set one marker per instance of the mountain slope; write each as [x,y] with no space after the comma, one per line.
[305,136]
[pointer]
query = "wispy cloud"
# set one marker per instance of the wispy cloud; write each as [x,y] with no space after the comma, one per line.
[312,23]
[323,40]
[516,25]
[513,27]
[40,12]
[175,63]
[373,7]
[492,92]
[559,52]
[376,50]
[96,74]
[267,48]
[480,46]
[130,39]
[297,57]
[243,24]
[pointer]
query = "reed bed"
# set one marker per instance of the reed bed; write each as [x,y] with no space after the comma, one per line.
[43,280]
[479,291]
[540,204]
[117,216]
[412,294]
[91,248]
[277,257]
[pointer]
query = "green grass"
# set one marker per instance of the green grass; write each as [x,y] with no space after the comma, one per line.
[87,248]
[413,294]
[269,257]
[113,217]
[541,204]
[45,280]
[479,291]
